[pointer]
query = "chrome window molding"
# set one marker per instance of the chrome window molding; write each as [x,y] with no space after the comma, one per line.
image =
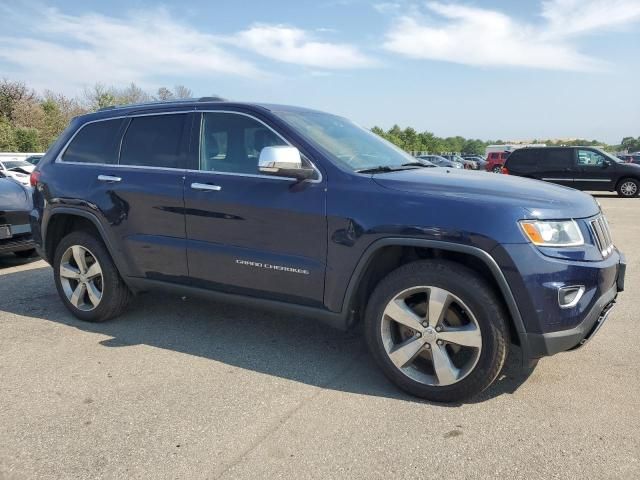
[194,110]
[256,175]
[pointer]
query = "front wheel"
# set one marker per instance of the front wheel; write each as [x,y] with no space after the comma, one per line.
[437,330]
[497,169]
[628,188]
[87,280]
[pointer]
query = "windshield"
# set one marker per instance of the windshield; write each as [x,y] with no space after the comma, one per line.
[15,164]
[609,156]
[350,145]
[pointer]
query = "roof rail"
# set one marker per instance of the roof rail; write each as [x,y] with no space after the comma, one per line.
[163,102]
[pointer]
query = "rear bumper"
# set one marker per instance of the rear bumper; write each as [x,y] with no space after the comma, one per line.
[545,344]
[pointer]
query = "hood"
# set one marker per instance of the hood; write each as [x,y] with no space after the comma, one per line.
[13,196]
[537,199]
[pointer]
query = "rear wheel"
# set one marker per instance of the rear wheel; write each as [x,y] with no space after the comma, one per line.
[497,169]
[628,187]
[87,280]
[437,330]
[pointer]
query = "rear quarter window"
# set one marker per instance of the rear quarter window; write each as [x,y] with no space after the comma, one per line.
[523,160]
[96,142]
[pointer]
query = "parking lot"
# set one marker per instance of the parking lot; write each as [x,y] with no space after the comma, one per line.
[182,388]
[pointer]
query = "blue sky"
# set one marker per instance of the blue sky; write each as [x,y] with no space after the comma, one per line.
[486,69]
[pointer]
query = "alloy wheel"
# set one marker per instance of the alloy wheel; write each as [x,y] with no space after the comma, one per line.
[629,189]
[81,278]
[431,336]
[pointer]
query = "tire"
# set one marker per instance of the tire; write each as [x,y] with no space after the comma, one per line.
[114,294]
[628,188]
[497,169]
[471,299]
[26,253]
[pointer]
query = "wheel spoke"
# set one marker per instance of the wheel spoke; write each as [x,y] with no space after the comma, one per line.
[467,336]
[446,371]
[67,271]
[400,312]
[93,271]
[439,300]
[406,352]
[78,256]
[78,295]
[94,294]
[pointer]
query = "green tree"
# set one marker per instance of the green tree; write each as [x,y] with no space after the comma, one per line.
[7,136]
[26,140]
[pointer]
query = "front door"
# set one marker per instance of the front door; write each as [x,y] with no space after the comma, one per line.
[250,233]
[594,171]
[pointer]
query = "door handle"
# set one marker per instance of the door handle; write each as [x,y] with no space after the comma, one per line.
[206,187]
[108,178]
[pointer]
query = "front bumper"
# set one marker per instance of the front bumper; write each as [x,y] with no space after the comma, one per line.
[544,344]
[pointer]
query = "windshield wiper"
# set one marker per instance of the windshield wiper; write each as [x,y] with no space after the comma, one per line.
[417,164]
[387,168]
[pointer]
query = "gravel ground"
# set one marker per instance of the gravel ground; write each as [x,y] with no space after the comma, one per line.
[190,389]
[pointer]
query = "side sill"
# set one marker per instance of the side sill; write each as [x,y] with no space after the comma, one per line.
[335,320]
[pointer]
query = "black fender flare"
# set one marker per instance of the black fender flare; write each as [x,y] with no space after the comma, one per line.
[111,248]
[480,254]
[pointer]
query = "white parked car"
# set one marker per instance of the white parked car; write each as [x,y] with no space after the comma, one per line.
[19,170]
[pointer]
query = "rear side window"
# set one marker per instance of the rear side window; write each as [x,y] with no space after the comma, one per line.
[96,143]
[556,158]
[525,159]
[155,141]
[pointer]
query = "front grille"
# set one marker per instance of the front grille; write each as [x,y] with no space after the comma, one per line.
[602,235]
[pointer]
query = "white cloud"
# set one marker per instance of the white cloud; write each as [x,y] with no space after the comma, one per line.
[484,37]
[569,17]
[67,52]
[80,50]
[293,45]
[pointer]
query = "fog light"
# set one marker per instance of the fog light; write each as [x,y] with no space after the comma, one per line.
[568,297]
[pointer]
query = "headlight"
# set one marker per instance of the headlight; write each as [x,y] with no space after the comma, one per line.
[545,233]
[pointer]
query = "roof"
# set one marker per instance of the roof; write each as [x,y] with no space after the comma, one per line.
[188,103]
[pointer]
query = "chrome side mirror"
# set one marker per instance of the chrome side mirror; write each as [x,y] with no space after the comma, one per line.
[283,161]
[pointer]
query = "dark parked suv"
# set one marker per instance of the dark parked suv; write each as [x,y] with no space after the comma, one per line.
[303,211]
[584,168]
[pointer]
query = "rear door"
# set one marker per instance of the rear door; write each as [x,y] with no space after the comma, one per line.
[131,170]
[594,171]
[250,233]
[556,165]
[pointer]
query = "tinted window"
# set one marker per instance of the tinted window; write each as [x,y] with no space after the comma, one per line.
[232,143]
[524,158]
[95,143]
[154,141]
[557,158]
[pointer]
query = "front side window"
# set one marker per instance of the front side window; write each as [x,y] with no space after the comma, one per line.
[96,142]
[231,143]
[155,141]
[590,158]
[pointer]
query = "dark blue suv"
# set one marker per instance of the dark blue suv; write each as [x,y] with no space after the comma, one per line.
[303,211]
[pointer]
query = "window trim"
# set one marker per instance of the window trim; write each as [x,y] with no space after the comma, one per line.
[182,170]
[66,145]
